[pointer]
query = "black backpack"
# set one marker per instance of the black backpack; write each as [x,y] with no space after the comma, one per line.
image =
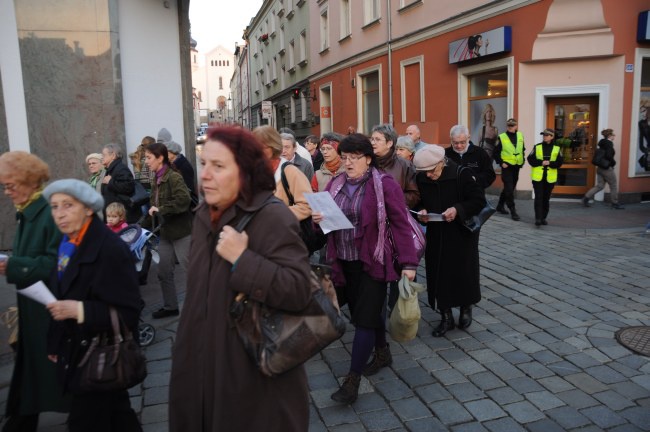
[600,160]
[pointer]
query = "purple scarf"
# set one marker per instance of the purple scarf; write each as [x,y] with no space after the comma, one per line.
[339,182]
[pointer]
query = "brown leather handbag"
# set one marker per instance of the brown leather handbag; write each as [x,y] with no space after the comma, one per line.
[277,340]
[114,360]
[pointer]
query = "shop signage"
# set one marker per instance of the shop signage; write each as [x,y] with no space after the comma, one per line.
[267,109]
[483,44]
[643,29]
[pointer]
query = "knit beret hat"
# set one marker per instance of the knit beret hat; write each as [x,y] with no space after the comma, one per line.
[79,190]
[428,157]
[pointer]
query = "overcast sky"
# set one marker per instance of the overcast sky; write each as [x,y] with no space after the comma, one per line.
[220,22]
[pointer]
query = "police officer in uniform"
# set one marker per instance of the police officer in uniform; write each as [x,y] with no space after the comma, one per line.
[509,154]
[545,159]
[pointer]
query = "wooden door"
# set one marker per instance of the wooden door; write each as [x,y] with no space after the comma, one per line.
[575,121]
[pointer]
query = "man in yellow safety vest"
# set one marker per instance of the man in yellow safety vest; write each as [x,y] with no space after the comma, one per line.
[545,159]
[509,155]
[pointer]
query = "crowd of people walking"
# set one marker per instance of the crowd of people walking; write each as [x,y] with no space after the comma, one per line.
[66,238]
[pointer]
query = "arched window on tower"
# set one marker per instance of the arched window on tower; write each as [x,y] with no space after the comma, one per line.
[220,83]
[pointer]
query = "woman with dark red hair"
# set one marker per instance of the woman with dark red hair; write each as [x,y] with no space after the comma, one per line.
[214,384]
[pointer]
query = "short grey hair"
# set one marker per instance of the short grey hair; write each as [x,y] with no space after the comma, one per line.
[458,130]
[405,142]
[387,131]
[114,149]
[288,137]
[332,136]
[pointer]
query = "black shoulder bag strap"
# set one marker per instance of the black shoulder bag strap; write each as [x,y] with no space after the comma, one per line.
[285,183]
[249,215]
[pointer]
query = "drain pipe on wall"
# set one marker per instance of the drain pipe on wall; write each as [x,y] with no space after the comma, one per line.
[390,67]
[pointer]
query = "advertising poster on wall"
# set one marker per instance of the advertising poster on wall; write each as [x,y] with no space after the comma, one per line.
[481,44]
[487,120]
[643,144]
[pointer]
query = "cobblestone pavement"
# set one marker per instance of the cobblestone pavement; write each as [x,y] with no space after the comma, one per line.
[540,356]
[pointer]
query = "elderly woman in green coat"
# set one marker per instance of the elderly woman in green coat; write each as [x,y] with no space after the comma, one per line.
[34,387]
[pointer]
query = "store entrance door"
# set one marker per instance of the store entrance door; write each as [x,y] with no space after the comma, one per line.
[575,121]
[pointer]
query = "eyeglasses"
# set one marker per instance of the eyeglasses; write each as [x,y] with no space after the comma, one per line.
[327,148]
[8,187]
[352,158]
[463,142]
[373,139]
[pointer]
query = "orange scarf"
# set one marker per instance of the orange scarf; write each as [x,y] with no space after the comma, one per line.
[82,232]
[334,165]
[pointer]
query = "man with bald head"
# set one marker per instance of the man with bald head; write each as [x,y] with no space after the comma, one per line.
[414,132]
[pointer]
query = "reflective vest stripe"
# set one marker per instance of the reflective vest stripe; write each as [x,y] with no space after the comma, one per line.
[509,153]
[537,173]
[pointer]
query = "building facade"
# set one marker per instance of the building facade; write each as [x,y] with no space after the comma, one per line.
[575,66]
[79,74]
[278,40]
[212,82]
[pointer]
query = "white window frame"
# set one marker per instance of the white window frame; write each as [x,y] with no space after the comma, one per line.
[402,65]
[282,47]
[275,70]
[359,85]
[324,28]
[345,25]
[303,106]
[371,11]
[303,47]
[292,56]
[293,109]
[463,85]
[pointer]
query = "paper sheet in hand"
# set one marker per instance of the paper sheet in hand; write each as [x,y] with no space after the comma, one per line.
[38,292]
[333,217]
[433,217]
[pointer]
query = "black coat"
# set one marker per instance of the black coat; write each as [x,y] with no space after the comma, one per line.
[317,160]
[101,273]
[187,171]
[478,161]
[120,188]
[608,147]
[452,262]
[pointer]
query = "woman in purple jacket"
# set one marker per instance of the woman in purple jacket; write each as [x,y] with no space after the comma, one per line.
[362,258]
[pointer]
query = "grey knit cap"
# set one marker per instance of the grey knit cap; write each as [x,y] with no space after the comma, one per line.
[79,190]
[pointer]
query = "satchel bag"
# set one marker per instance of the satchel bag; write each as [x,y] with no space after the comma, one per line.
[278,341]
[474,223]
[314,239]
[114,360]
[404,319]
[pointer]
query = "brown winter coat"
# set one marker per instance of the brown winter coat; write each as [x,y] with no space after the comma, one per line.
[214,384]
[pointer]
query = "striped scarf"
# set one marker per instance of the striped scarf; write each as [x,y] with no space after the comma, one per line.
[339,182]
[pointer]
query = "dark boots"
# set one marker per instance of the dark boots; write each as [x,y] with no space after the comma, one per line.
[349,390]
[465,318]
[446,323]
[513,214]
[381,359]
